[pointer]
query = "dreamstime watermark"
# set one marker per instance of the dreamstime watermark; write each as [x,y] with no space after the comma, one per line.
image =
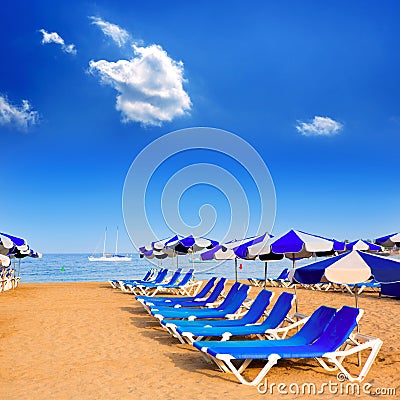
[183,161]
[340,387]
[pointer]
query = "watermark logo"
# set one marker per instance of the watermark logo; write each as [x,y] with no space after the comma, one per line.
[342,386]
[202,181]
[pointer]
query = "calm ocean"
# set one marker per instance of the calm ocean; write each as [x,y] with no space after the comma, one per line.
[77,268]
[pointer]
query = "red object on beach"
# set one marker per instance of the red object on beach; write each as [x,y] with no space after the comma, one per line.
[240,266]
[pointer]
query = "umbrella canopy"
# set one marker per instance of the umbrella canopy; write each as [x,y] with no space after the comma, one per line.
[150,254]
[296,244]
[161,244]
[14,246]
[227,251]
[232,249]
[190,244]
[363,245]
[389,240]
[352,268]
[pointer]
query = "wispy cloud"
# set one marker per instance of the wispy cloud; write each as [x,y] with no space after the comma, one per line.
[150,85]
[54,37]
[319,126]
[119,35]
[18,117]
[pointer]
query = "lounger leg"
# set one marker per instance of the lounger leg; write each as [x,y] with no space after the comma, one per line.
[337,359]
[272,360]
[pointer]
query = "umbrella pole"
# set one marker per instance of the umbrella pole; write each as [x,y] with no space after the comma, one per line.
[236,271]
[265,274]
[358,325]
[295,288]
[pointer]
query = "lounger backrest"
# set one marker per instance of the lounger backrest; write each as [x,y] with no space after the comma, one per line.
[207,287]
[280,310]
[258,307]
[315,325]
[175,277]
[236,300]
[161,276]
[186,278]
[233,290]
[219,287]
[339,329]
[148,274]
[284,274]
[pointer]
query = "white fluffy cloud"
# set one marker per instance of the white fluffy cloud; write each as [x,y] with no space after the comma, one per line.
[54,37]
[319,126]
[19,117]
[150,85]
[119,35]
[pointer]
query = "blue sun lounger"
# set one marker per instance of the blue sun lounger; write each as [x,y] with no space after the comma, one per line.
[230,305]
[254,313]
[120,284]
[148,288]
[281,280]
[275,318]
[125,284]
[116,283]
[185,286]
[196,303]
[337,334]
[171,301]
[157,280]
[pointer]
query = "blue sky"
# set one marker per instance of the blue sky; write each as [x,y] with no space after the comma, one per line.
[312,86]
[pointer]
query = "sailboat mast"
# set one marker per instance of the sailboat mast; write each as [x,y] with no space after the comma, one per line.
[104,244]
[116,243]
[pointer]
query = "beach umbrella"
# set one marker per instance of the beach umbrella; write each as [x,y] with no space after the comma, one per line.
[389,240]
[350,268]
[191,244]
[296,245]
[150,254]
[363,245]
[250,251]
[226,251]
[15,247]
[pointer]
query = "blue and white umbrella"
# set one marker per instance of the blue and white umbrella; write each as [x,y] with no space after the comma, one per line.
[251,250]
[296,245]
[363,245]
[150,254]
[389,240]
[191,244]
[17,247]
[350,268]
[227,251]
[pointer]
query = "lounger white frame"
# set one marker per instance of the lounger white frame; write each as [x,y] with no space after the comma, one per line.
[355,344]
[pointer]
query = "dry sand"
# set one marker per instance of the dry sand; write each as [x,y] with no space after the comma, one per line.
[88,341]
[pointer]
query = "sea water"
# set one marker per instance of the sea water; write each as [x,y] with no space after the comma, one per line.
[77,268]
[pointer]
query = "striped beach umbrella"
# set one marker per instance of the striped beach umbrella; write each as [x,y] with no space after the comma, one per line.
[350,268]
[191,244]
[296,245]
[363,245]
[389,240]
[250,251]
[231,250]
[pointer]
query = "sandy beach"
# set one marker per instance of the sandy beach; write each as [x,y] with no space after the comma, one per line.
[89,341]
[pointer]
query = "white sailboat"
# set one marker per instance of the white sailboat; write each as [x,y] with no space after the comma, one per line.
[108,256]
